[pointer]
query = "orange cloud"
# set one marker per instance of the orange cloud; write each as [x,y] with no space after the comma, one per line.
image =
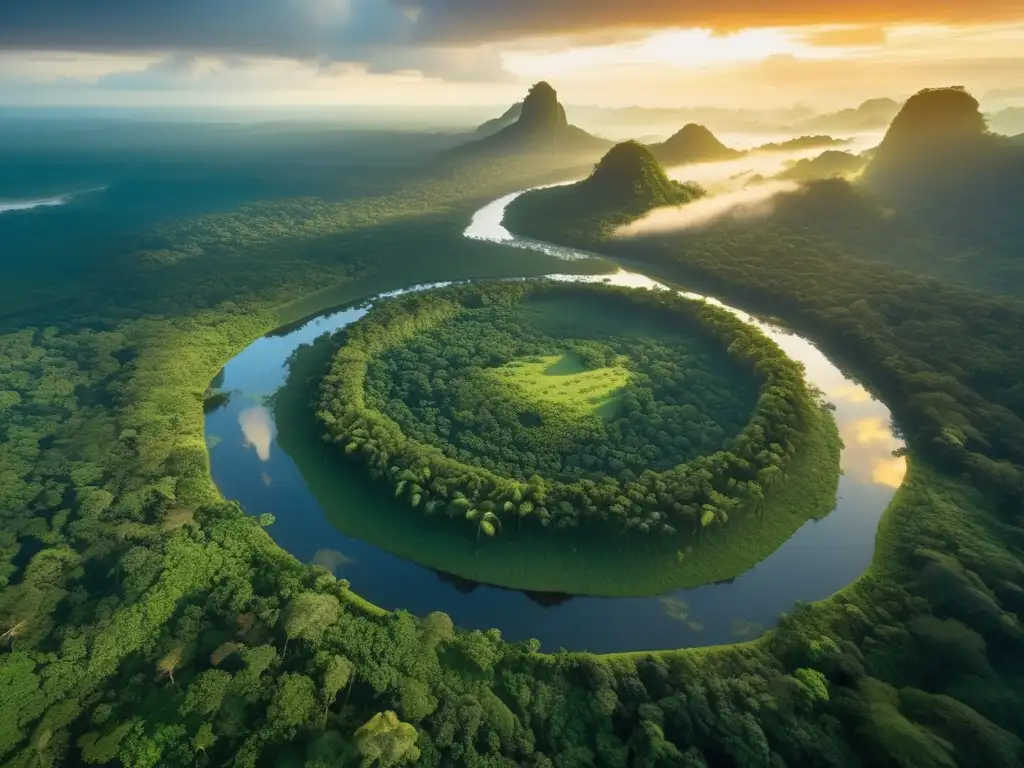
[500,19]
[841,37]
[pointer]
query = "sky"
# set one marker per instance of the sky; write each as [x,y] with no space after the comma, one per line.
[669,53]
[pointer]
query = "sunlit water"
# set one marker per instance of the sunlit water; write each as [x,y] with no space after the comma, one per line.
[249,465]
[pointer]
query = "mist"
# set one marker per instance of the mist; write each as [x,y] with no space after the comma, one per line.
[739,189]
[744,204]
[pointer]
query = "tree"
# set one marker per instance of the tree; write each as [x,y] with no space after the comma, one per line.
[204,738]
[384,740]
[486,522]
[417,702]
[309,615]
[170,662]
[437,628]
[206,692]
[337,675]
[292,703]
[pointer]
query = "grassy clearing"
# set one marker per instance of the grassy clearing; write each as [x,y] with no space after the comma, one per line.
[580,563]
[564,382]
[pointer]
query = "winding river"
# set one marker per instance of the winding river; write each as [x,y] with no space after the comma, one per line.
[250,465]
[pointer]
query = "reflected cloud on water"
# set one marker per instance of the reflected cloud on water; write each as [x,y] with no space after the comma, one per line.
[332,560]
[258,430]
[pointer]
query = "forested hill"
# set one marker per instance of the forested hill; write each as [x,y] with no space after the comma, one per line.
[628,181]
[938,138]
[938,158]
[630,173]
[541,126]
[692,144]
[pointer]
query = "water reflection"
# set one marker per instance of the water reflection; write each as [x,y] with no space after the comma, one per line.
[468,586]
[890,472]
[258,430]
[870,445]
[332,560]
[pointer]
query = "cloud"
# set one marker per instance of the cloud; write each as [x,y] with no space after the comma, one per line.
[378,33]
[847,36]
[504,19]
[347,30]
[484,64]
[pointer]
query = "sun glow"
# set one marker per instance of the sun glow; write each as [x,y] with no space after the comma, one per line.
[681,48]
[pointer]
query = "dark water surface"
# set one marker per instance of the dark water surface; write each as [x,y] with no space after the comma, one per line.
[250,466]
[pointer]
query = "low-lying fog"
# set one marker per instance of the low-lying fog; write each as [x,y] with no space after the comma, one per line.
[741,188]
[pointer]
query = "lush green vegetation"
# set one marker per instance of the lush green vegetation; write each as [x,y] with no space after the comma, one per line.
[563,384]
[577,561]
[146,622]
[409,393]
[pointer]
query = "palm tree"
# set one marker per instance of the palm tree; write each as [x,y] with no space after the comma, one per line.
[708,515]
[525,509]
[486,522]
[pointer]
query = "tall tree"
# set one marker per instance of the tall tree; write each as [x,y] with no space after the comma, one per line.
[309,615]
[337,675]
[384,740]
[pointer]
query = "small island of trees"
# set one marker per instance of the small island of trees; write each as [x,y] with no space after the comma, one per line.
[560,405]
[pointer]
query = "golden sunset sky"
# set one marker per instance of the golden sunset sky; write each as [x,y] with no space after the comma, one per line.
[735,53]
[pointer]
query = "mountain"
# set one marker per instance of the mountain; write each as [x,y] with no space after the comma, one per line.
[802,142]
[871,115]
[939,164]
[938,139]
[630,173]
[506,119]
[540,127]
[827,165]
[625,184]
[693,144]
[1009,121]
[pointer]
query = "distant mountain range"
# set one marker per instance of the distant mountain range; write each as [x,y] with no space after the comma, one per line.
[871,115]
[802,142]
[1009,121]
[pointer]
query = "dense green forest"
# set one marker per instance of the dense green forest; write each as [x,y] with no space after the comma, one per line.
[412,393]
[578,561]
[148,622]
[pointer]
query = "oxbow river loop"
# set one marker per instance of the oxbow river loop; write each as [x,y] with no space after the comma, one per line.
[250,466]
